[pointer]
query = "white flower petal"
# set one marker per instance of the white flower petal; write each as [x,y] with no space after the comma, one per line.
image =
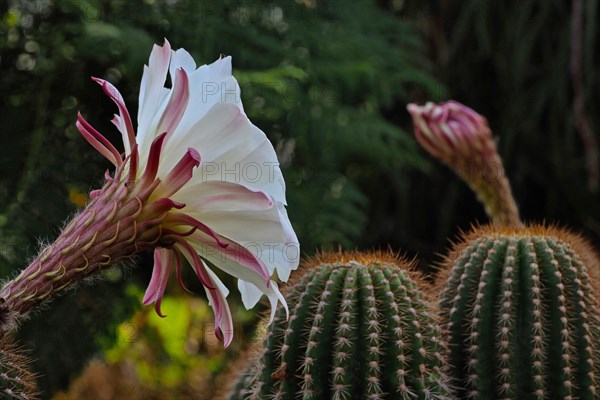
[232,150]
[247,217]
[152,86]
[227,259]
[251,295]
[181,59]
[145,141]
[290,251]
[217,196]
[220,69]
[267,234]
[207,90]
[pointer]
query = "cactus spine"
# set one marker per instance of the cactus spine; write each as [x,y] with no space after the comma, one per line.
[354,331]
[16,381]
[522,316]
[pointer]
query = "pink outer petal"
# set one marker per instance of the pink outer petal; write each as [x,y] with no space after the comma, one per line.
[163,264]
[120,124]
[124,119]
[177,104]
[180,219]
[153,159]
[271,238]
[133,163]
[240,254]
[223,318]
[180,174]
[414,110]
[98,141]
[163,205]
[426,138]
[95,193]
[217,296]
[235,253]
[192,256]
[178,273]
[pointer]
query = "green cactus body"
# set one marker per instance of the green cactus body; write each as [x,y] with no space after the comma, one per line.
[16,381]
[354,332]
[522,317]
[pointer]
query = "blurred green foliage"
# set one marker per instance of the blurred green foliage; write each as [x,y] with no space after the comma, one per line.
[512,62]
[328,81]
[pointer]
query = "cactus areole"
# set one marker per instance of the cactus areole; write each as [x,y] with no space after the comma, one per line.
[522,315]
[355,332]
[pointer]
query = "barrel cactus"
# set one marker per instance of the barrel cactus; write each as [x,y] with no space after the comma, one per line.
[16,381]
[521,310]
[359,328]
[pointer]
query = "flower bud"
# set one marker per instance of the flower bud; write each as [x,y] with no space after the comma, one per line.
[462,139]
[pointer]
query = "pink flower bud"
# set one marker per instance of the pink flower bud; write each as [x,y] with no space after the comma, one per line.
[451,131]
[461,138]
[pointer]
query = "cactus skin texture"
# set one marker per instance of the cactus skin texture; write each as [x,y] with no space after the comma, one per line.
[16,381]
[522,315]
[359,328]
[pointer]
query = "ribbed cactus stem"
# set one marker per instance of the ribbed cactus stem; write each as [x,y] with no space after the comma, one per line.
[522,315]
[16,380]
[355,331]
[462,139]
